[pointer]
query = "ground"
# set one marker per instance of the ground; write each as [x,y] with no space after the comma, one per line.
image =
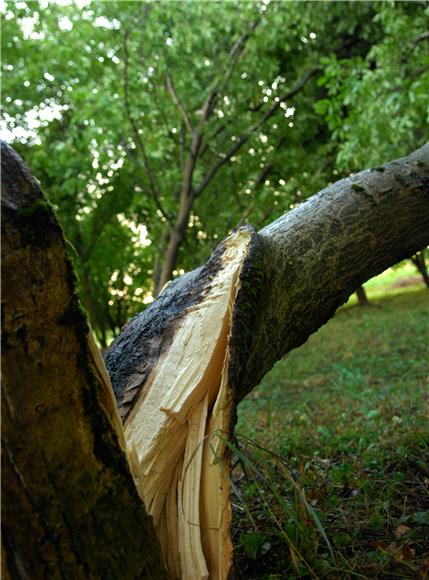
[332,458]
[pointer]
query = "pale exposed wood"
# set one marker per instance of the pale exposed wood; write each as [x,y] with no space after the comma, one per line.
[216,515]
[107,397]
[187,403]
[192,560]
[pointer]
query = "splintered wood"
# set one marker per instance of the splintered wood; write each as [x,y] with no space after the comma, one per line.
[176,434]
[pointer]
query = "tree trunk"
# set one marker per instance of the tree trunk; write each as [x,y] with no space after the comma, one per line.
[171,254]
[178,371]
[420,263]
[157,265]
[361,296]
[70,508]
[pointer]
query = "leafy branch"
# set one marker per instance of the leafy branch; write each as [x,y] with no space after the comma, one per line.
[244,137]
[171,89]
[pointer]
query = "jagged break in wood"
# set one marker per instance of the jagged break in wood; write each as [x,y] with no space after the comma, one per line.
[175,433]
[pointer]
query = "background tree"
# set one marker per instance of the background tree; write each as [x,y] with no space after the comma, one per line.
[172,123]
[419,261]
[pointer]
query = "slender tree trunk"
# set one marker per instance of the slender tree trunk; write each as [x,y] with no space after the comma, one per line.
[361,296]
[420,263]
[178,371]
[157,266]
[177,235]
[70,508]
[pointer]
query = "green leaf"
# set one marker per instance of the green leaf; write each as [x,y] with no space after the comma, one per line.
[421,518]
[254,544]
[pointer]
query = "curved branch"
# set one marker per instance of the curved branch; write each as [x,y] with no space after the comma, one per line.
[177,102]
[244,137]
[315,256]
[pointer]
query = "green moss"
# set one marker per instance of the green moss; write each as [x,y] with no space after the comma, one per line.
[37,208]
[37,224]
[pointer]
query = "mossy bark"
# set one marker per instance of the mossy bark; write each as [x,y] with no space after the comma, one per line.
[70,508]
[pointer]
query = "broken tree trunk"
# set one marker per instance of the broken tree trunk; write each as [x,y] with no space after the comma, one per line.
[70,508]
[180,368]
[176,402]
[178,371]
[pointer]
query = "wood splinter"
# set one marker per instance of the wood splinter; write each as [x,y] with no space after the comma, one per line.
[176,402]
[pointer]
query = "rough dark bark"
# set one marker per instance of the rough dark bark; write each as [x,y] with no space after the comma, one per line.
[314,258]
[70,508]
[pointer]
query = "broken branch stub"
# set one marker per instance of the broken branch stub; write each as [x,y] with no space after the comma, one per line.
[173,370]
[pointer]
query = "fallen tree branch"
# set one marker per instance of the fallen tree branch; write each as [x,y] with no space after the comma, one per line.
[180,368]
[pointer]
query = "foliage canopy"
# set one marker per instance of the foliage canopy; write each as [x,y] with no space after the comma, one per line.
[136,115]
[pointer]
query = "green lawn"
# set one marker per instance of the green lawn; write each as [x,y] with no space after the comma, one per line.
[341,486]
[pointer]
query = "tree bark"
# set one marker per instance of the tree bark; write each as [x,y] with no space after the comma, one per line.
[315,257]
[178,371]
[70,508]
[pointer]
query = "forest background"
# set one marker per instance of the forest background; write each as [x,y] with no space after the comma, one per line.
[158,127]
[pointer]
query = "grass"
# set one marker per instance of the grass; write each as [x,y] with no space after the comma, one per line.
[337,485]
